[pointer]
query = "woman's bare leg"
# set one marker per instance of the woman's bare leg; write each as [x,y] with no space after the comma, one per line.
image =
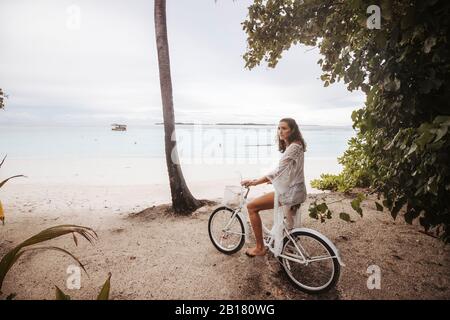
[264,202]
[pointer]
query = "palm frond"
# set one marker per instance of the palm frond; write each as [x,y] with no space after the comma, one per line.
[6,180]
[54,232]
[56,249]
[1,163]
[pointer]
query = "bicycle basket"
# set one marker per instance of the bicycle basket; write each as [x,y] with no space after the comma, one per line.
[232,195]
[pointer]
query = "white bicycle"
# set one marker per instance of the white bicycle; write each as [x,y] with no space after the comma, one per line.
[310,260]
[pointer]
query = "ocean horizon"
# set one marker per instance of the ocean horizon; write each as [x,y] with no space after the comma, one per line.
[96,155]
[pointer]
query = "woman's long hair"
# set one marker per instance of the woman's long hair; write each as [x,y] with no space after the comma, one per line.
[295,135]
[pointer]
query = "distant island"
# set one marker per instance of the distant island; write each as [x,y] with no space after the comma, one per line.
[346,127]
[244,124]
[221,124]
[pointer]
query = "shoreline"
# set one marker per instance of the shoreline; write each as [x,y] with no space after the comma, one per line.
[145,171]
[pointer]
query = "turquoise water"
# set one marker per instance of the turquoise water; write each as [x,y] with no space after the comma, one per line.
[193,141]
[209,154]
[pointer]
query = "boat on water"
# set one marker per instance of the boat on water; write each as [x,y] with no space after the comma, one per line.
[119,127]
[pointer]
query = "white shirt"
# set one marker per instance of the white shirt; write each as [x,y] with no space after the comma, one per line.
[289,183]
[288,178]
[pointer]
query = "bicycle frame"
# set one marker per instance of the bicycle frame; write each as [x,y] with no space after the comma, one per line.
[269,239]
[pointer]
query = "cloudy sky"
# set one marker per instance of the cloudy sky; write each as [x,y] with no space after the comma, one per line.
[100,66]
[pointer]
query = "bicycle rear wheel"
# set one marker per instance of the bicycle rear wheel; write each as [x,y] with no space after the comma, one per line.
[226,232]
[320,273]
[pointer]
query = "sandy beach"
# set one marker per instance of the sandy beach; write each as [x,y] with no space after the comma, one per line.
[114,115]
[153,254]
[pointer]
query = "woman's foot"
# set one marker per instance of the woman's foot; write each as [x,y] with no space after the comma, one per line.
[253,252]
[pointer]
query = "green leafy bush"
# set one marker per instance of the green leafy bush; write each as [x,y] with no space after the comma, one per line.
[402,147]
[327,181]
[356,172]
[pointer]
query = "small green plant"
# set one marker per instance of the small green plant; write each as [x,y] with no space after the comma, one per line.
[14,254]
[2,183]
[330,182]
[355,174]
[321,211]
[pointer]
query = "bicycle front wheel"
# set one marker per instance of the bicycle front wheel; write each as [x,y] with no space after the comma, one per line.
[320,269]
[226,232]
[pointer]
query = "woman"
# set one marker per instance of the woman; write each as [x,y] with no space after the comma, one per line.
[288,181]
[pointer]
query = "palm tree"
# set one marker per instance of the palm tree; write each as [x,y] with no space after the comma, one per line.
[2,97]
[182,200]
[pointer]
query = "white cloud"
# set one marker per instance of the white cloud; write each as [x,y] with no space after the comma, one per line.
[108,68]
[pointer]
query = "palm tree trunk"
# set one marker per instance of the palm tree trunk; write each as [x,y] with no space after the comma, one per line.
[2,96]
[182,200]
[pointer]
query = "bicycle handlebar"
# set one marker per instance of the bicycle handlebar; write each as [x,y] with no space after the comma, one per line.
[248,190]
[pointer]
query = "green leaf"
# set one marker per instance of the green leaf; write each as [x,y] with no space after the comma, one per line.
[3,161]
[356,205]
[322,207]
[425,127]
[60,295]
[56,249]
[104,293]
[441,132]
[412,149]
[361,196]
[379,206]
[75,239]
[429,43]
[424,139]
[410,216]
[313,210]
[398,205]
[442,120]
[392,142]
[13,255]
[344,216]
[6,180]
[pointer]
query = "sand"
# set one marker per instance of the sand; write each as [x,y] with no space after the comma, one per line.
[153,254]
